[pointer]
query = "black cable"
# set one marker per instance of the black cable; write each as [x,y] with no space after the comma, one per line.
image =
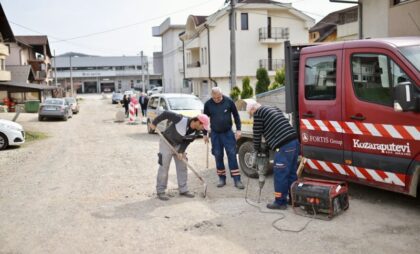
[273,224]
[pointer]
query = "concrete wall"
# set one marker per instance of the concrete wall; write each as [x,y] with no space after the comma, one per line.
[404,19]
[375,18]
[172,61]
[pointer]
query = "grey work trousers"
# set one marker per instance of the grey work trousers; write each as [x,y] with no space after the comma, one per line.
[165,157]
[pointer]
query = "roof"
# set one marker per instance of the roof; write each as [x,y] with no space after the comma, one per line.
[198,20]
[20,73]
[5,30]
[386,43]
[98,61]
[36,41]
[26,85]
[330,20]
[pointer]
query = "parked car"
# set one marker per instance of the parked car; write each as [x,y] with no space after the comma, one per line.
[185,104]
[74,105]
[55,108]
[117,97]
[11,134]
[129,93]
[155,90]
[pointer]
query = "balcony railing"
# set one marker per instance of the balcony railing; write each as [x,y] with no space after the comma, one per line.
[194,65]
[271,64]
[273,33]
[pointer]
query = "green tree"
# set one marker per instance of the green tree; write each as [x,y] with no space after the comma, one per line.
[263,81]
[247,91]
[280,76]
[278,79]
[234,93]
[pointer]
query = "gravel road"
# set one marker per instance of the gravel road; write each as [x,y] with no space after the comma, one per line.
[90,188]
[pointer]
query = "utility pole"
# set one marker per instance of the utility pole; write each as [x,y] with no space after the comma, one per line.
[55,69]
[232,44]
[71,77]
[142,72]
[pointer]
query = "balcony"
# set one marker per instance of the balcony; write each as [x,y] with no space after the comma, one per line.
[4,50]
[273,35]
[5,75]
[194,65]
[40,75]
[271,64]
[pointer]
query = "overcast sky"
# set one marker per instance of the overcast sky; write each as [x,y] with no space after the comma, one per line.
[118,27]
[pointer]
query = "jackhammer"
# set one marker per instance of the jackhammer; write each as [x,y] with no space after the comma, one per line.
[262,161]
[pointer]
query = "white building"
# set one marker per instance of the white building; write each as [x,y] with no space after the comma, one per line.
[173,69]
[95,74]
[262,27]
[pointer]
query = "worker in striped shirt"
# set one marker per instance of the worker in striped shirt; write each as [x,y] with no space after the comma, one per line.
[282,138]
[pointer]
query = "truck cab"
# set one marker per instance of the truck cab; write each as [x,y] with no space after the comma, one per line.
[356,107]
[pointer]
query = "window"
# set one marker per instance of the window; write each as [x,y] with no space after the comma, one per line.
[320,78]
[244,21]
[374,76]
[153,103]
[163,104]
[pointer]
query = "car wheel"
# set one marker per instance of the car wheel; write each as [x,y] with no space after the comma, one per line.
[40,118]
[245,154]
[149,130]
[3,141]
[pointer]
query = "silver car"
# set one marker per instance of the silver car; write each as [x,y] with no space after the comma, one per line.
[55,108]
[74,105]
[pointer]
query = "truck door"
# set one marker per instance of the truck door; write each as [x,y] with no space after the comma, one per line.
[320,111]
[382,141]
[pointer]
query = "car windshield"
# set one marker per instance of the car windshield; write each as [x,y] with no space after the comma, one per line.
[412,53]
[70,100]
[185,103]
[54,102]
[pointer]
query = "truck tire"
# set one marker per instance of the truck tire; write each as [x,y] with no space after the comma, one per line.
[245,151]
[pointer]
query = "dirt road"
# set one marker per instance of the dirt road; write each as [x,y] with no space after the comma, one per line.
[90,188]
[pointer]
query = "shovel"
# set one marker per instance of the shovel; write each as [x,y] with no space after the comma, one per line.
[186,162]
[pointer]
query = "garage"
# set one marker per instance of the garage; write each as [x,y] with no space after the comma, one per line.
[90,87]
[107,87]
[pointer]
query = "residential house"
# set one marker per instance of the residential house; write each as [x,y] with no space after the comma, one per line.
[33,51]
[6,36]
[337,26]
[261,28]
[173,68]
[14,86]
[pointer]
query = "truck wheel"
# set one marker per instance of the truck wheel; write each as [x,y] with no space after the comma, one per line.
[150,131]
[245,152]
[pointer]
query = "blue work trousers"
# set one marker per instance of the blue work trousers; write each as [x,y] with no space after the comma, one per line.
[285,166]
[220,142]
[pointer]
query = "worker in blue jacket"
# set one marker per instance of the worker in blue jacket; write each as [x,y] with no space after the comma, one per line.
[220,109]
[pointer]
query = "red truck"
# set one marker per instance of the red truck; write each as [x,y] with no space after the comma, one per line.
[356,107]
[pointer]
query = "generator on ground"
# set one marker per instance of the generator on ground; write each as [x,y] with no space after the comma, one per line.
[318,198]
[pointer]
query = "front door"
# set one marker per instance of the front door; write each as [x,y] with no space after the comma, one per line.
[382,141]
[320,111]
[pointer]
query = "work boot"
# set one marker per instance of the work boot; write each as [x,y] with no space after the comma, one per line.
[276,206]
[187,194]
[162,196]
[222,182]
[239,185]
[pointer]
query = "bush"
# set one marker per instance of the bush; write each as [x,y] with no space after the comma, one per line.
[274,85]
[263,81]
[247,91]
[234,93]
[280,76]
